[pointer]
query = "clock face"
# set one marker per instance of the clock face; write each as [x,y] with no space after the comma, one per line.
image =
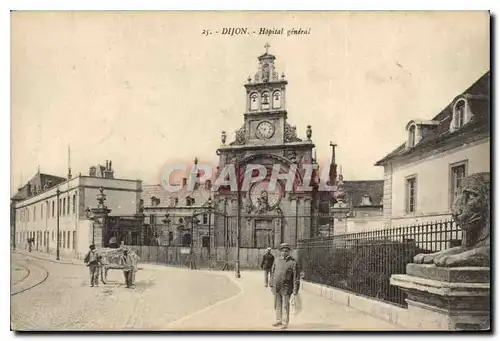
[265,130]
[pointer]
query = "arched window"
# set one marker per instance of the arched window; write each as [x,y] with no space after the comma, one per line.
[276,100]
[460,114]
[254,104]
[411,136]
[265,100]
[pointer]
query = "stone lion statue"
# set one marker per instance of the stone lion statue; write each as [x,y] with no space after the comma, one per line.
[471,212]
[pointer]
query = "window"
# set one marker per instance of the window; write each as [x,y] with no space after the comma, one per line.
[74,240]
[455,242]
[205,218]
[34,213]
[411,136]
[205,241]
[458,172]
[276,100]
[411,199]
[64,239]
[253,102]
[69,240]
[74,203]
[265,100]
[460,114]
[59,207]
[152,219]
[52,210]
[41,211]
[67,207]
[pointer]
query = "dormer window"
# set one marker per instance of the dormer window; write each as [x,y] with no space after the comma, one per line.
[461,114]
[419,130]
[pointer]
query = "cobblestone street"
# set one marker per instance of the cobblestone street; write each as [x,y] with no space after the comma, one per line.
[57,296]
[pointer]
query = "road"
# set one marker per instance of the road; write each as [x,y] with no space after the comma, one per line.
[52,296]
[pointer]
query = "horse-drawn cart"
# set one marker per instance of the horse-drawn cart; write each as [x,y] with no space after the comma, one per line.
[111,260]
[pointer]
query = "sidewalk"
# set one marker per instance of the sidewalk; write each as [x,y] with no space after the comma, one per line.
[49,257]
[252,309]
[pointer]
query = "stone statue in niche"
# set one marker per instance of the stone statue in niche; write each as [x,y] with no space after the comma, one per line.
[262,202]
[471,212]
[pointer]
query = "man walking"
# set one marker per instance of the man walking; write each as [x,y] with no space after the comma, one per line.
[285,281]
[93,263]
[128,263]
[267,265]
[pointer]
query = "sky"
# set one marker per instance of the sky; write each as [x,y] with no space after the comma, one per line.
[144,89]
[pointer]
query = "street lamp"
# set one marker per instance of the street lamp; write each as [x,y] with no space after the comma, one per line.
[89,216]
[238,218]
[166,221]
[58,192]
[210,207]
[192,264]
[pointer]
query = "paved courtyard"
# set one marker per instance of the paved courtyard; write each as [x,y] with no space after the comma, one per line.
[49,295]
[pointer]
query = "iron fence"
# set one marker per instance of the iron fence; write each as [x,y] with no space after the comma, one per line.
[364,262]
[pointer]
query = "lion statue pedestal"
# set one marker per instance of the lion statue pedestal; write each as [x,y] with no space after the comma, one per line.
[450,289]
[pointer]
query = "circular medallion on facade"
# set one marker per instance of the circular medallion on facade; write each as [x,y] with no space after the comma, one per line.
[263,198]
[265,130]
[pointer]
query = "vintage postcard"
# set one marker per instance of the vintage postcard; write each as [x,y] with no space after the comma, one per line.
[251,171]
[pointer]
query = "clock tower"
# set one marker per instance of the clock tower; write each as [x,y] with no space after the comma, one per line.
[267,217]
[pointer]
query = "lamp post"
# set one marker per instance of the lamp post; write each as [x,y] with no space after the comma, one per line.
[166,221]
[210,208]
[88,215]
[58,192]
[192,264]
[238,222]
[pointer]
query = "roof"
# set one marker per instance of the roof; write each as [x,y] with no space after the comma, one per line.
[478,98]
[37,183]
[200,195]
[356,190]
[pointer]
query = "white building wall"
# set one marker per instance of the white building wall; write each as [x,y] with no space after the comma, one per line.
[122,196]
[433,183]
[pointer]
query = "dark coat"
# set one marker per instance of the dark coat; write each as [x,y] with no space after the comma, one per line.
[285,276]
[267,262]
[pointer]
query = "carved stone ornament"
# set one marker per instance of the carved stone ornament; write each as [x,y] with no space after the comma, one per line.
[240,137]
[309,132]
[471,212]
[291,155]
[291,133]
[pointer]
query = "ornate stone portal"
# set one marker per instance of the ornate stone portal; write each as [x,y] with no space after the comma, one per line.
[450,289]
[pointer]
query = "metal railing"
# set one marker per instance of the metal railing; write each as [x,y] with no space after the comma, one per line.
[363,262]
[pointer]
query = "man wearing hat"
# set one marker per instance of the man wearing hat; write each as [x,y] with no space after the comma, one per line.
[267,264]
[285,281]
[93,263]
